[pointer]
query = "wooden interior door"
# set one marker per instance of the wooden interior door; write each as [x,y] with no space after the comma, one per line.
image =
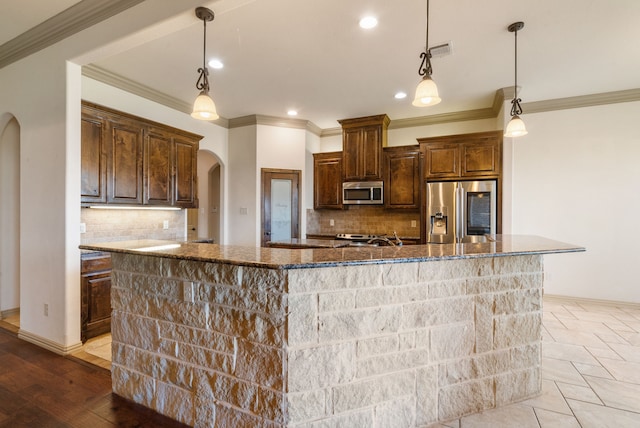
[280,205]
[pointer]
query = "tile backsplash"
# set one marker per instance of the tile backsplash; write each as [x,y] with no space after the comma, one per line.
[363,219]
[123,225]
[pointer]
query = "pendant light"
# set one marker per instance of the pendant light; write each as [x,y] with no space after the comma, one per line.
[204,107]
[515,127]
[427,91]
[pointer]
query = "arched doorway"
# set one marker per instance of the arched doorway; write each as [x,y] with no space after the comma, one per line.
[205,222]
[10,222]
[214,203]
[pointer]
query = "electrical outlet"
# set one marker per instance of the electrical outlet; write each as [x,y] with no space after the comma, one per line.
[243,211]
[414,223]
[331,222]
[83,227]
[46,309]
[165,224]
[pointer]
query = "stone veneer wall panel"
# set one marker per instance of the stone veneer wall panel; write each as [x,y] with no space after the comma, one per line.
[419,342]
[206,340]
[399,344]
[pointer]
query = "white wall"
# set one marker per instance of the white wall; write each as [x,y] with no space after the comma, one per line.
[9,215]
[576,179]
[241,206]
[312,145]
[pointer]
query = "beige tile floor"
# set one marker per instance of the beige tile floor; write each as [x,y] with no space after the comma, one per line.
[590,370]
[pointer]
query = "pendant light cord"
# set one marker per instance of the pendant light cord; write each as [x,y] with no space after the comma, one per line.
[204,45]
[426,43]
[516,108]
[203,81]
[425,66]
[515,90]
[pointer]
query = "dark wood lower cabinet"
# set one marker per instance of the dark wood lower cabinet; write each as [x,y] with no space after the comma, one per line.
[95,294]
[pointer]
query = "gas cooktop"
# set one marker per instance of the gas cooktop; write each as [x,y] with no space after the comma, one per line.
[356,236]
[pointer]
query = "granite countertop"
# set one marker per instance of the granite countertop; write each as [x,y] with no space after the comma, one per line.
[281,258]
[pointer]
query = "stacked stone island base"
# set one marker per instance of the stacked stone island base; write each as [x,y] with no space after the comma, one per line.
[400,344]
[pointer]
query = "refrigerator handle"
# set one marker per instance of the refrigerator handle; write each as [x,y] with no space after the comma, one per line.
[460,213]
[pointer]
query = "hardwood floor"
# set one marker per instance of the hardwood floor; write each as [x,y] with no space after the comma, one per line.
[41,389]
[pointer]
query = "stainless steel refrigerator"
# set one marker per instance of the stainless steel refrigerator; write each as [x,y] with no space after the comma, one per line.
[461,211]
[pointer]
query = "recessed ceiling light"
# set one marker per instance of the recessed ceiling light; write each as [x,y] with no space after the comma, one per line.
[216,63]
[292,113]
[368,22]
[400,95]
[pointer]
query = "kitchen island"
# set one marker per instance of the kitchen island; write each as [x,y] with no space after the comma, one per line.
[216,335]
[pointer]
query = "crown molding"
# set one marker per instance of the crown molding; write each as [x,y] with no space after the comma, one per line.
[120,82]
[282,122]
[67,23]
[629,95]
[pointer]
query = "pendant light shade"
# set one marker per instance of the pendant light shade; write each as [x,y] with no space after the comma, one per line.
[204,108]
[427,91]
[515,127]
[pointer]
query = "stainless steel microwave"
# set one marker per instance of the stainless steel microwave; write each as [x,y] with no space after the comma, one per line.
[363,193]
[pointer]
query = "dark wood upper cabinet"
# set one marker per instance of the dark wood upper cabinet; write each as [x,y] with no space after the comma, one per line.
[157,168]
[482,157]
[185,168]
[401,166]
[467,156]
[124,162]
[133,161]
[93,186]
[327,180]
[362,142]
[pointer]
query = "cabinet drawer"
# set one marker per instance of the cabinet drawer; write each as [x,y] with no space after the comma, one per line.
[95,263]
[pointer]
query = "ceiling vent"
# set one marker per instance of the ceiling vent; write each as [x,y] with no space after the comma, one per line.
[439,51]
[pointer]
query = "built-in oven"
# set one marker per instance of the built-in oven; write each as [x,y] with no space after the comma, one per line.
[363,193]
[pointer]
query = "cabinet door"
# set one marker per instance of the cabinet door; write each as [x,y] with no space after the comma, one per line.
[185,154]
[481,158]
[124,171]
[157,168]
[93,187]
[352,153]
[370,152]
[327,180]
[361,153]
[99,291]
[442,160]
[95,292]
[402,177]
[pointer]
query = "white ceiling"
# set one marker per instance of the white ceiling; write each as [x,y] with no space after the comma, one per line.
[311,55]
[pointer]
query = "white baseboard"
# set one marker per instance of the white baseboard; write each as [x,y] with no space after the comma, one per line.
[9,313]
[602,302]
[48,344]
